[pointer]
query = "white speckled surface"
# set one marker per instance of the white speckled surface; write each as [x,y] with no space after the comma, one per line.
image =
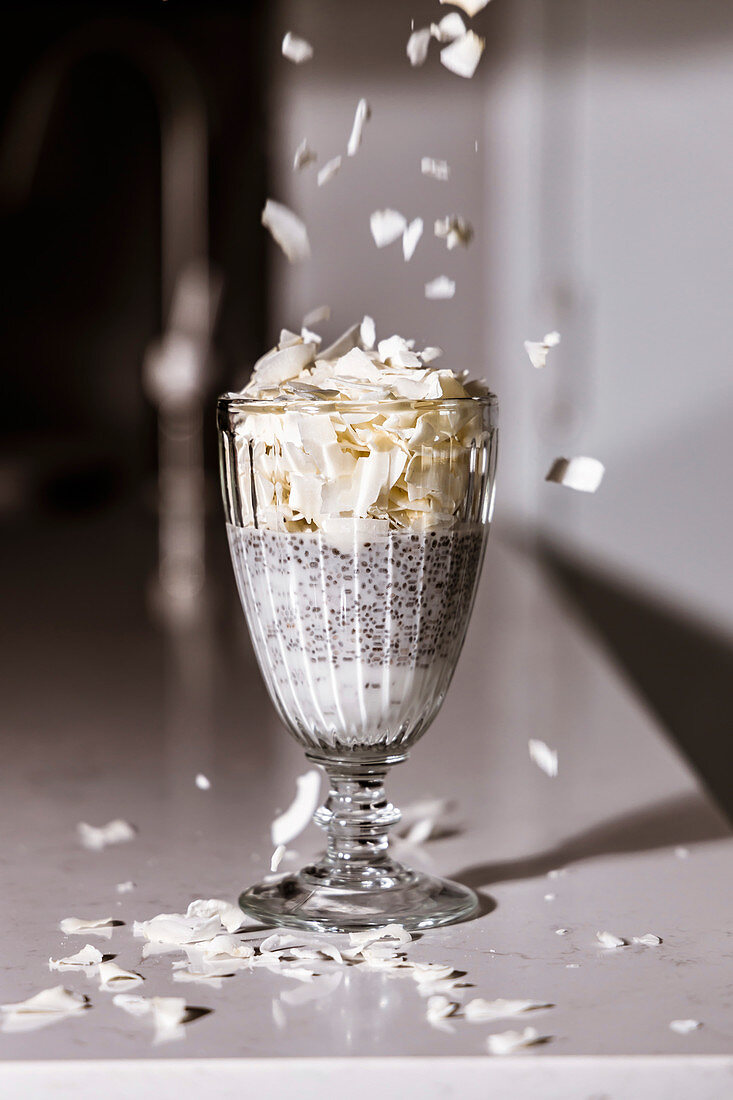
[117,720]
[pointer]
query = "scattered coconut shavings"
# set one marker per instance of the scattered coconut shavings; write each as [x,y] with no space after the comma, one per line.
[368,332]
[417,46]
[684,1027]
[46,1007]
[647,940]
[361,117]
[463,54]
[85,959]
[296,49]
[168,1013]
[112,976]
[277,857]
[386,226]
[304,156]
[287,230]
[507,1042]
[176,929]
[450,26]
[203,782]
[544,757]
[429,354]
[438,1009]
[430,972]
[329,170]
[442,287]
[291,823]
[371,935]
[315,316]
[682,853]
[608,939]
[230,915]
[74,926]
[471,7]
[537,349]
[455,230]
[436,169]
[125,887]
[114,832]
[581,473]
[480,1011]
[410,238]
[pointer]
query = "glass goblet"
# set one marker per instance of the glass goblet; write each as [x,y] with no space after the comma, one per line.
[357,609]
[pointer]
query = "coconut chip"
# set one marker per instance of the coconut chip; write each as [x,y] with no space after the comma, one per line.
[394,932]
[296,49]
[471,7]
[647,940]
[507,1042]
[74,926]
[114,832]
[230,915]
[537,349]
[437,169]
[85,959]
[480,1011]
[438,1009]
[684,1027]
[429,354]
[287,230]
[315,316]
[544,757]
[454,230]
[112,976]
[682,853]
[368,332]
[291,823]
[581,473]
[442,287]
[386,226]
[304,156]
[329,170]
[609,940]
[561,931]
[463,54]
[202,782]
[46,1007]
[451,26]
[417,46]
[410,238]
[361,117]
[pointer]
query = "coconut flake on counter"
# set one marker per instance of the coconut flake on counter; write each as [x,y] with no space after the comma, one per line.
[417,46]
[609,940]
[436,169]
[441,287]
[361,117]
[537,349]
[304,156]
[112,976]
[287,230]
[202,782]
[508,1042]
[298,815]
[454,230]
[451,26]
[46,1007]
[296,49]
[561,931]
[479,1011]
[544,757]
[437,1011]
[463,54]
[329,170]
[394,932]
[582,473]
[647,940]
[410,238]
[230,915]
[74,926]
[114,832]
[386,226]
[86,959]
[471,7]
[684,1027]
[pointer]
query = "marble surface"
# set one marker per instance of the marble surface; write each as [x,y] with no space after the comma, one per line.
[107,714]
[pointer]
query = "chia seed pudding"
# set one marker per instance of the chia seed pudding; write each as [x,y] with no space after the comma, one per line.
[357,639]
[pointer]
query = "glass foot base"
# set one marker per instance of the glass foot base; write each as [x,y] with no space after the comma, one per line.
[347,904]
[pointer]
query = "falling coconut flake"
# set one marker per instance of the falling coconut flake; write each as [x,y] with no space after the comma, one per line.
[296,49]
[320,313]
[88,957]
[537,349]
[46,1007]
[329,170]
[277,857]
[647,940]
[561,931]
[417,46]
[304,156]
[202,782]
[454,230]
[550,897]
[410,238]
[442,287]
[507,1042]
[114,832]
[361,117]
[368,332]
[125,887]
[480,1011]
[387,226]
[298,815]
[74,926]
[471,7]
[607,939]
[451,26]
[287,230]
[581,473]
[463,55]
[544,757]
[437,169]
[684,1027]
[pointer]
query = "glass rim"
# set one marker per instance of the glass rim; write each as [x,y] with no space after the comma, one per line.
[238,402]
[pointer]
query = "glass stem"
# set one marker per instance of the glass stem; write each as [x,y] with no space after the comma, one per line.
[356,817]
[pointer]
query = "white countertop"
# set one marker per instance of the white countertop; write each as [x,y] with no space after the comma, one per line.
[105,716]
